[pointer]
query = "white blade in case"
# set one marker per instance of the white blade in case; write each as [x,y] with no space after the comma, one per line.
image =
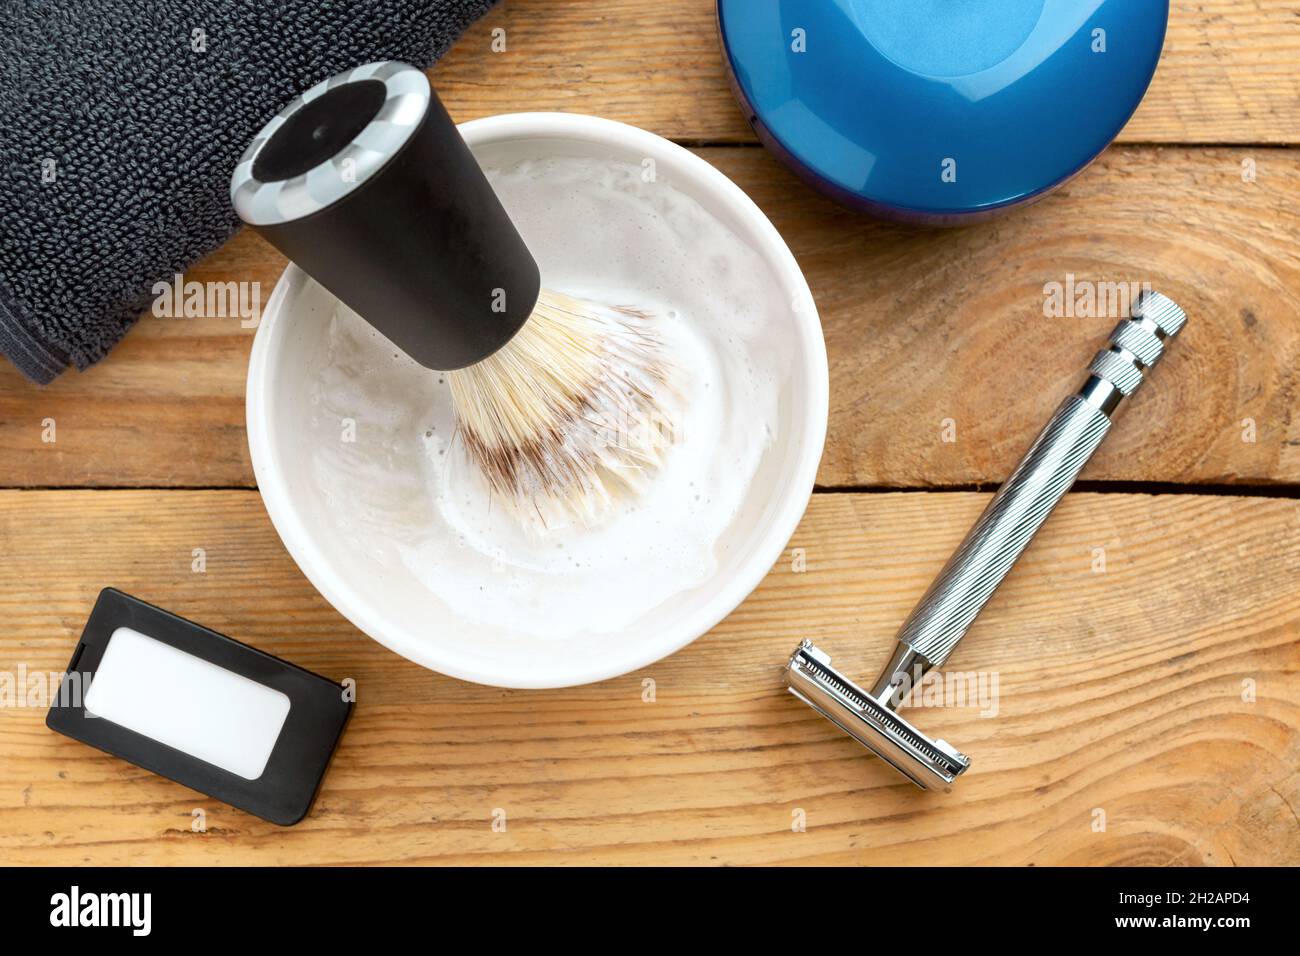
[200,708]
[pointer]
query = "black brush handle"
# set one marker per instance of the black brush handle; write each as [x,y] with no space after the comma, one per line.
[365,183]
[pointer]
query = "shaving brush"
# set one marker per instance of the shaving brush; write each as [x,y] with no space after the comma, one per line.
[366,184]
[566,417]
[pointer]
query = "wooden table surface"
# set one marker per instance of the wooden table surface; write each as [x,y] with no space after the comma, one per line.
[1147,648]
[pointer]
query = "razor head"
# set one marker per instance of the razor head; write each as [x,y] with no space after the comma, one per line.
[930,764]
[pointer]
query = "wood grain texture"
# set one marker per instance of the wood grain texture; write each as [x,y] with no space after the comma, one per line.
[921,327]
[1227,75]
[1119,692]
[926,328]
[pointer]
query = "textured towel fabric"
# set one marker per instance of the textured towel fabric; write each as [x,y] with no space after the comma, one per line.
[120,124]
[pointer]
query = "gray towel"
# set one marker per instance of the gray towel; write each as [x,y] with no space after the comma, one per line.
[120,124]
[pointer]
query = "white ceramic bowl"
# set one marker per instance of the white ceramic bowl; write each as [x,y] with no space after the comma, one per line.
[401,614]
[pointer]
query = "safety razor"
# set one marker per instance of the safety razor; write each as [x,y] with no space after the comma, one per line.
[984,558]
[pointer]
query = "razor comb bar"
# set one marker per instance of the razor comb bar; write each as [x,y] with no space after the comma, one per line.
[986,555]
[927,763]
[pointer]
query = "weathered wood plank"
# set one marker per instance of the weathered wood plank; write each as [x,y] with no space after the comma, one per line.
[921,327]
[934,334]
[1228,73]
[1124,692]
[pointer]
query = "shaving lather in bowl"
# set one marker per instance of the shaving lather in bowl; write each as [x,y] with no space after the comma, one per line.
[983,559]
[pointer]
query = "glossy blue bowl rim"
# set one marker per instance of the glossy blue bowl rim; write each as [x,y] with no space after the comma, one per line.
[891,211]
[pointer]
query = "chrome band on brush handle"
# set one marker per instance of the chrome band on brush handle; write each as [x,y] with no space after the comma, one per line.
[1020,507]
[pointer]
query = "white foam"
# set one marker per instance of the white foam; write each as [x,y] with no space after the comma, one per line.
[403,491]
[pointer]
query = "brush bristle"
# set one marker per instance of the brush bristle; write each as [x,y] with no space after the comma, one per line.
[568,417]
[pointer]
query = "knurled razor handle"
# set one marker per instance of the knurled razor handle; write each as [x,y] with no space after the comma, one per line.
[1043,476]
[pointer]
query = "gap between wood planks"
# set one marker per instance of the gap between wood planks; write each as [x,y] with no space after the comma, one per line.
[709,143]
[1089,487]
[1283,492]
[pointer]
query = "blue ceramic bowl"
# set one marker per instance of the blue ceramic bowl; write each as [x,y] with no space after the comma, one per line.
[940,111]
